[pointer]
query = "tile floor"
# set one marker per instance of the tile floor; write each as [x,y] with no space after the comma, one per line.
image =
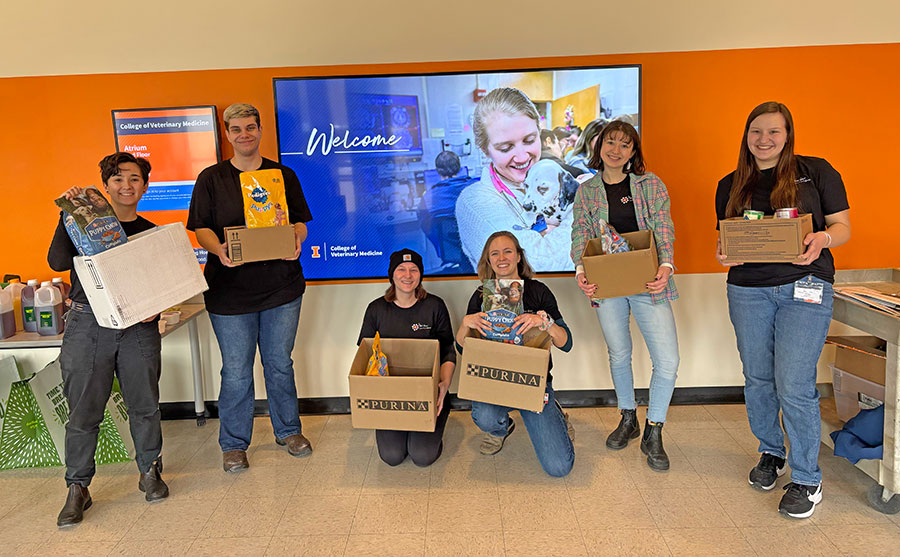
[343,500]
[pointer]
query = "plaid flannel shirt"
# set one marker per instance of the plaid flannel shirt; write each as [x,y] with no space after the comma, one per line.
[651,205]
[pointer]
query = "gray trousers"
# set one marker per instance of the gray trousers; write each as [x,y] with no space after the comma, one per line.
[90,357]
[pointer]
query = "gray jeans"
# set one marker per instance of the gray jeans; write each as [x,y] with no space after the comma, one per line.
[90,357]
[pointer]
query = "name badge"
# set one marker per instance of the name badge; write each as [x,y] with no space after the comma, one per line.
[805,290]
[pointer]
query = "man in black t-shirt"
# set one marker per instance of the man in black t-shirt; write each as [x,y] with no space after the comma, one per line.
[250,304]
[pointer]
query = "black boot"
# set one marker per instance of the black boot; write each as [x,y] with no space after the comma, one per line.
[153,485]
[627,430]
[78,501]
[652,446]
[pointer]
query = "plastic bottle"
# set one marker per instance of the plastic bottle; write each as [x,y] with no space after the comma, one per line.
[63,287]
[48,307]
[29,319]
[15,288]
[7,314]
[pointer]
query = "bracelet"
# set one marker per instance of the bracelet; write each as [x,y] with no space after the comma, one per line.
[827,235]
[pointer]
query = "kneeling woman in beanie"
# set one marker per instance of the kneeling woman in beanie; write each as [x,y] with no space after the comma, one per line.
[407,311]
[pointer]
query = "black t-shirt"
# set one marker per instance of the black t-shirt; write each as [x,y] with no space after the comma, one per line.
[621,206]
[537,297]
[427,318]
[821,192]
[217,202]
[62,250]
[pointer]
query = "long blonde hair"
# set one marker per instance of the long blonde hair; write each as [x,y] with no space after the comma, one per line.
[486,272]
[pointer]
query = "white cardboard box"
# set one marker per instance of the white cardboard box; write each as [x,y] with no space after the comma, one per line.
[153,271]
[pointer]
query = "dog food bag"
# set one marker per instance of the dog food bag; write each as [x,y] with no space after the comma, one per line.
[91,222]
[265,203]
[378,361]
[502,300]
[611,241]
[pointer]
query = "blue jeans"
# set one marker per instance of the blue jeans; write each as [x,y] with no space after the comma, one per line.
[780,340]
[274,330]
[657,325]
[547,430]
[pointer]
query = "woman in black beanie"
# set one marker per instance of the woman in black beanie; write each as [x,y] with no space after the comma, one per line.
[407,311]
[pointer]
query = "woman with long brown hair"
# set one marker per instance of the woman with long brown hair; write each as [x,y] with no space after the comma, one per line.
[503,258]
[781,311]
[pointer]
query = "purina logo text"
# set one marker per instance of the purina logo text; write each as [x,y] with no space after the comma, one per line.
[396,405]
[504,375]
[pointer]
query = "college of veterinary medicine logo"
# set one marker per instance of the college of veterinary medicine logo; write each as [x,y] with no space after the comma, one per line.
[315,252]
[421,327]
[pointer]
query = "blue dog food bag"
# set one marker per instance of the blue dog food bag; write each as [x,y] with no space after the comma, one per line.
[91,222]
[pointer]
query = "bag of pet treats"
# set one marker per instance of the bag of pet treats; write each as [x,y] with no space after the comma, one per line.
[265,203]
[378,362]
[91,222]
[611,241]
[502,301]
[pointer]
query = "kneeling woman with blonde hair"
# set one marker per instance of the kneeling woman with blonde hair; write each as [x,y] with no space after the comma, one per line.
[504,258]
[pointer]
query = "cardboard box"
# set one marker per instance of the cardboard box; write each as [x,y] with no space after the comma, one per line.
[505,374]
[852,393]
[768,240]
[863,356]
[621,274]
[150,273]
[405,400]
[246,245]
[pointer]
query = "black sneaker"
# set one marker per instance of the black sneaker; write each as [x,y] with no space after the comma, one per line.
[766,472]
[800,500]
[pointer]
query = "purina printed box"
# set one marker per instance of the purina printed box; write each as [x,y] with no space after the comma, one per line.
[505,374]
[246,245]
[768,240]
[153,271]
[406,399]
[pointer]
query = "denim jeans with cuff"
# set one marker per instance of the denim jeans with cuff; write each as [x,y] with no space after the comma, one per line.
[657,325]
[780,340]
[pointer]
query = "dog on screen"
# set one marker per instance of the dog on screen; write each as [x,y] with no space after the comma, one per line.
[549,191]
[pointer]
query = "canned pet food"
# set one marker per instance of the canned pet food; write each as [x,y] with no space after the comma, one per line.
[753,215]
[787,213]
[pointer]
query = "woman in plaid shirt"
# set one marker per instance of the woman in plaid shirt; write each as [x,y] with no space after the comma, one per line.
[630,199]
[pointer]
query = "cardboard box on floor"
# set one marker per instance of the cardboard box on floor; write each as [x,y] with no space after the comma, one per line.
[621,274]
[863,356]
[505,374]
[153,271]
[406,399]
[246,245]
[768,240]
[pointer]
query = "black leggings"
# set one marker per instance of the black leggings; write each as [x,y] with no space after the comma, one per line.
[422,447]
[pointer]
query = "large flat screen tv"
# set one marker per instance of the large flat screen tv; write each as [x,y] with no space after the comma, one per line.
[383,161]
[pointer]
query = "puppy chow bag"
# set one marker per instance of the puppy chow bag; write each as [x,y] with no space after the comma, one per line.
[378,362]
[91,222]
[265,203]
[502,300]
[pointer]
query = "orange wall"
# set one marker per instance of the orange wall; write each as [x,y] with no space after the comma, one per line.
[843,98]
